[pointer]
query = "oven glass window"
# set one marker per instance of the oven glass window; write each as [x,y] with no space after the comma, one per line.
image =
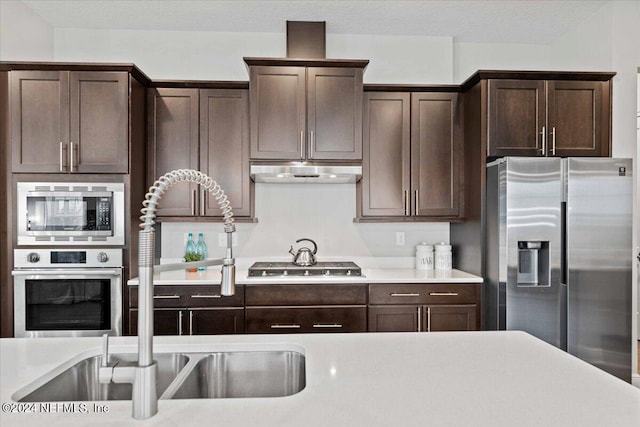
[68,305]
[68,212]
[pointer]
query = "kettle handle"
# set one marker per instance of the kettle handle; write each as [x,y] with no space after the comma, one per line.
[315,247]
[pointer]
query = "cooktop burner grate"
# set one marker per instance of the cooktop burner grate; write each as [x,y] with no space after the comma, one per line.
[265,269]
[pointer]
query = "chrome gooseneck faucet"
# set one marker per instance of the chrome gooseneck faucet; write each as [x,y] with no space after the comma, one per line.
[143,376]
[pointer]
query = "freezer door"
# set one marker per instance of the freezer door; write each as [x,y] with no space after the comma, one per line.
[535,299]
[599,256]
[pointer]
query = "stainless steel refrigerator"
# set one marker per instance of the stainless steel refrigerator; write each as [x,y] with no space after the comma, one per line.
[559,254]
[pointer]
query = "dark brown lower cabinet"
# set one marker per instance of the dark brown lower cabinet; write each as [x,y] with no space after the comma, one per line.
[274,320]
[422,318]
[191,310]
[203,321]
[431,307]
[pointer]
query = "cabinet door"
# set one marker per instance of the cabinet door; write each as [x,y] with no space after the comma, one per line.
[39,120]
[224,147]
[216,321]
[578,118]
[334,113]
[165,321]
[435,154]
[99,124]
[278,112]
[386,162]
[173,144]
[516,117]
[450,318]
[394,318]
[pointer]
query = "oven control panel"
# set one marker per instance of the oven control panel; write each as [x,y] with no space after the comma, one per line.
[48,258]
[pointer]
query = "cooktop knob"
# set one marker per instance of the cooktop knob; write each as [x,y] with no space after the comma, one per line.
[103,257]
[264,272]
[285,273]
[33,257]
[306,272]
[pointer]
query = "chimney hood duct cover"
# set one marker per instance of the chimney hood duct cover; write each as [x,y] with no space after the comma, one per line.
[306,172]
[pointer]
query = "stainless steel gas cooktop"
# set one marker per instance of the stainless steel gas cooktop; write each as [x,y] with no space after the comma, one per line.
[266,269]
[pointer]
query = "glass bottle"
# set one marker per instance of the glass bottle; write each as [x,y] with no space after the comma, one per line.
[201,249]
[190,248]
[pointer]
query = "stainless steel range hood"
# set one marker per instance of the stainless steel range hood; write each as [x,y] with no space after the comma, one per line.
[306,172]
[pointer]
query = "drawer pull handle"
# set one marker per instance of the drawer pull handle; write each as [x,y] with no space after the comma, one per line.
[327,325]
[166,297]
[279,326]
[394,294]
[206,296]
[443,294]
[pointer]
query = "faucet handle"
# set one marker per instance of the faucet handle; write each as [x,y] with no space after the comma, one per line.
[105,351]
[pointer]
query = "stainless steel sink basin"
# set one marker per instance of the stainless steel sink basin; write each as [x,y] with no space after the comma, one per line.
[80,382]
[244,374]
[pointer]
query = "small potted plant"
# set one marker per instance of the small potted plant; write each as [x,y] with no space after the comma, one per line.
[190,257]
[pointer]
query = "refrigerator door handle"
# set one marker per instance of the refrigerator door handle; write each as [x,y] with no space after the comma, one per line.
[563,244]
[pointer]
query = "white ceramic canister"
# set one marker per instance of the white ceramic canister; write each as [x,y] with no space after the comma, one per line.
[443,259]
[424,256]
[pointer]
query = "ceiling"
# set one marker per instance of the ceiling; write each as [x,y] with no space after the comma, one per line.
[523,21]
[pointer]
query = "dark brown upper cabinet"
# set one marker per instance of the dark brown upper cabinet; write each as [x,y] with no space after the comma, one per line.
[306,113]
[411,162]
[206,130]
[70,121]
[548,118]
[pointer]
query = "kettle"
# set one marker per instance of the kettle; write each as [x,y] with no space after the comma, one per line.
[304,256]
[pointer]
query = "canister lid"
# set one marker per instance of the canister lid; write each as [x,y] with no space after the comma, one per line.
[442,246]
[422,246]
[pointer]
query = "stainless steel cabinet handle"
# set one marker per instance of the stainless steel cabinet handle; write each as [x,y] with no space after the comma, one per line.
[206,296]
[428,319]
[190,322]
[302,144]
[396,294]
[553,140]
[166,297]
[203,194]
[543,149]
[291,326]
[179,323]
[419,319]
[443,294]
[61,157]
[312,143]
[327,325]
[71,157]
[406,202]
[193,202]
[415,210]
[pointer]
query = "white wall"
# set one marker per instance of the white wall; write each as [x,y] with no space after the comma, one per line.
[24,35]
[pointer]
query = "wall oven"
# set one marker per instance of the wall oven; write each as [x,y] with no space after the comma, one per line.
[70,213]
[67,292]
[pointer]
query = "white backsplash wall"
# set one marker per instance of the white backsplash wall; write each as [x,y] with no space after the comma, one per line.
[322,212]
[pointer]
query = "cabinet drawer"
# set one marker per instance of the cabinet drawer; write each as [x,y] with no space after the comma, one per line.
[343,294]
[189,296]
[437,293]
[275,320]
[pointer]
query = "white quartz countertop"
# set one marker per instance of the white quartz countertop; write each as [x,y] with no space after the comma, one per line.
[495,379]
[369,275]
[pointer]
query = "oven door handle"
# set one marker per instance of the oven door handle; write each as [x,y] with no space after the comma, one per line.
[70,272]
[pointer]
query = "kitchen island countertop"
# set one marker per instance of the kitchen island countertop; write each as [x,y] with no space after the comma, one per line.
[505,378]
[369,275]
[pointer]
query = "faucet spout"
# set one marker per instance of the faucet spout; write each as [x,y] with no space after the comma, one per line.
[143,377]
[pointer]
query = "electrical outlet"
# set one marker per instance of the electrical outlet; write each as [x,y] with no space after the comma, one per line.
[222,240]
[399,238]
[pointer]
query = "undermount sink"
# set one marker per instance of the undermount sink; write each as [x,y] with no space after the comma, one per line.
[244,374]
[184,375]
[80,382]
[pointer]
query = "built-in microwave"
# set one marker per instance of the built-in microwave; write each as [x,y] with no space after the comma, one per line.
[70,213]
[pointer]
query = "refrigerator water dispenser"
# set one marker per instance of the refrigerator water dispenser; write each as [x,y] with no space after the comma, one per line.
[533,263]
